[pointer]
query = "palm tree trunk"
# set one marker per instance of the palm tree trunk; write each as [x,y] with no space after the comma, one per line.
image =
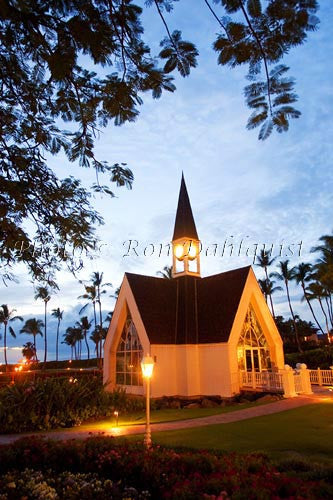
[270,296]
[311,308]
[100,329]
[35,347]
[293,317]
[329,310]
[5,347]
[57,340]
[95,318]
[325,315]
[87,345]
[45,335]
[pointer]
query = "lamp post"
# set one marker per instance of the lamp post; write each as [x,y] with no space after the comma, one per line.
[147,367]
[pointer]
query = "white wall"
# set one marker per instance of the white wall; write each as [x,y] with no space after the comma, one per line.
[191,370]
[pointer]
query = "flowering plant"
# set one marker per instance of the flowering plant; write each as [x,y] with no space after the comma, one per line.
[77,468]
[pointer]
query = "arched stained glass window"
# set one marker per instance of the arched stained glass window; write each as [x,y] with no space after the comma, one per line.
[128,357]
[252,350]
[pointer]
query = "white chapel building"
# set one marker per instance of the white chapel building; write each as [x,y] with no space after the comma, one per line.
[202,332]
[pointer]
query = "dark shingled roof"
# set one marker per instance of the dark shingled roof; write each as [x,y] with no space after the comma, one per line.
[189,310]
[184,222]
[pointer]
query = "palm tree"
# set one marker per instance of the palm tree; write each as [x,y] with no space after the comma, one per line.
[316,291]
[33,327]
[42,292]
[29,351]
[166,273]
[324,276]
[97,337]
[6,316]
[91,297]
[264,261]
[97,281]
[268,288]
[324,271]
[84,325]
[302,275]
[286,275]
[69,340]
[57,313]
[115,295]
[108,318]
[73,336]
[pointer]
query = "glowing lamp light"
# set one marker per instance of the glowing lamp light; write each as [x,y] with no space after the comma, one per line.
[179,252]
[192,251]
[147,366]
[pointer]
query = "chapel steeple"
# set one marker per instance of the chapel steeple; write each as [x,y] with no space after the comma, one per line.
[185,240]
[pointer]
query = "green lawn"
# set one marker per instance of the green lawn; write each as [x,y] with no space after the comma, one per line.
[305,432]
[158,416]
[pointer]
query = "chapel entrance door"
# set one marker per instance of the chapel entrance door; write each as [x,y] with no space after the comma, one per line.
[252,360]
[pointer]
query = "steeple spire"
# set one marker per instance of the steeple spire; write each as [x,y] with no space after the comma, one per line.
[185,240]
[184,223]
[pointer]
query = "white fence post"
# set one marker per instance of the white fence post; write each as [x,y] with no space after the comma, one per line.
[288,382]
[305,379]
[320,379]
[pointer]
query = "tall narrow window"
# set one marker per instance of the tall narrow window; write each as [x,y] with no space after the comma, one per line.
[129,355]
[252,350]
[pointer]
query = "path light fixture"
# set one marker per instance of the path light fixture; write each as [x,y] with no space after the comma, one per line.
[147,367]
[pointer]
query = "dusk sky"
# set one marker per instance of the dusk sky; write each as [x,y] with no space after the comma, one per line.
[277,192]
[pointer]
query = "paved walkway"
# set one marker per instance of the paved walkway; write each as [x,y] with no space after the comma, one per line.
[319,395]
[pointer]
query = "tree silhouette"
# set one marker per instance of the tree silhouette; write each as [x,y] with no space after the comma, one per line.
[286,275]
[47,79]
[58,314]
[302,276]
[42,293]
[72,337]
[264,260]
[268,288]
[84,325]
[166,273]
[7,316]
[29,351]
[33,327]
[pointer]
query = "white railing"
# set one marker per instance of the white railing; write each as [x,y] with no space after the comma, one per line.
[321,377]
[269,381]
[298,383]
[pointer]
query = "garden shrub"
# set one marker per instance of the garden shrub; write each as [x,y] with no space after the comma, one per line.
[97,467]
[316,358]
[57,402]
[46,486]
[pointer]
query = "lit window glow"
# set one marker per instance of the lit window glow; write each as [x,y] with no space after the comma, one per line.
[129,353]
[252,350]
